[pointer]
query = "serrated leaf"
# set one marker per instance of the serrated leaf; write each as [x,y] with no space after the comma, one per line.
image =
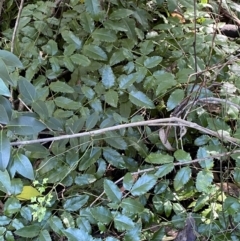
[23,166]
[87,22]
[182,156]
[28,231]
[68,63]
[27,193]
[92,6]
[152,62]
[66,103]
[159,158]
[41,109]
[112,191]
[164,170]
[26,125]
[92,121]
[127,80]
[94,52]
[104,35]
[111,97]
[138,98]
[203,153]
[131,206]
[62,87]
[44,236]
[120,13]
[113,157]
[4,74]
[10,59]
[165,81]
[128,181]
[56,224]
[143,184]
[182,177]
[122,222]
[5,182]
[51,48]
[115,140]
[108,78]
[5,148]
[204,180]
[4,89]
[71,38]
[27,91]
[130,26]
[80,59]
[175,99]
[75,203]
[117,57]
[102,214]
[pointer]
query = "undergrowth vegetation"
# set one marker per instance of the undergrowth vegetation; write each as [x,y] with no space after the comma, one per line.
[119,121]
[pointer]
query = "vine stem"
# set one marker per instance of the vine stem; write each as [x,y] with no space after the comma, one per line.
[156,122]
[16,25]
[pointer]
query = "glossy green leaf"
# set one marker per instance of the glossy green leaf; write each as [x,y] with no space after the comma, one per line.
[134,233]
[112,191]
[111,97]
[6,105]
[61,87]
[117,57]
[10,59]
[44,236]
[75,203]
[122,222]
[182,156]
[27,91]
[23,166]
[104,35]
[56,224]
[4,73]
[115,140]
[138,98]
[87,22]
[108,78]
[5,148]
[92,6]
[159,158]
[67,103]
[80,59]
[5,182]
[201,202]
[30,231]
[204,180]
[92,121]
[152,62]
[113,157]
[175,99]
[128,181]
[127,80]
[130,26]
[204,154]
[4,89]
[164,170]
[41,109]
[71,38]
[121,13]
[102,214]
[131,206]
[26,125]
[51,47]
[143,184]
[182,177]
[165,81]
[94,52]
[11,206]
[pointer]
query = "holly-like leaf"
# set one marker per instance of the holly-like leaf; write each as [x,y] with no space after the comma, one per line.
[112,191]
[182,177]
[61,87]
[104,35]
[138,98]
[94,52]
[143,184]
[80,60]
[108,78]
[122,222]
[111,97]
[204,180]
[87,22]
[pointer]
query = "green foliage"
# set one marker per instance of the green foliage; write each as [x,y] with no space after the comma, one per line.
[89,65]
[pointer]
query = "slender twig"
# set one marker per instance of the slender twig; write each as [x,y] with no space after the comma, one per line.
[16,25]
[157,122]
[1,6]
